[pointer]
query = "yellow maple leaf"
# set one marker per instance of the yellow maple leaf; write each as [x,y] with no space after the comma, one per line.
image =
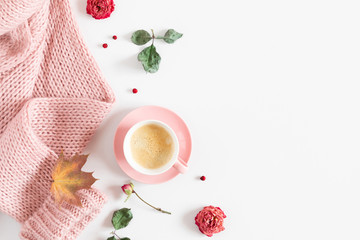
[68,179]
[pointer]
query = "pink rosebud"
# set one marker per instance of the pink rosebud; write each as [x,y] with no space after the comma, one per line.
[210,220]
[100,9]
[128,188]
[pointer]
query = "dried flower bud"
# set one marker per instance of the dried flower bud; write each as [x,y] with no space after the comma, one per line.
[128,188]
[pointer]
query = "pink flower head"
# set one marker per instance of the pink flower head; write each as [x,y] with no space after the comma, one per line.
[100,9]
[210,220]
[128,189]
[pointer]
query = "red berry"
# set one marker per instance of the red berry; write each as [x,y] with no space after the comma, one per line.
[114,37]
[105,45]
[202,178]
[134,90]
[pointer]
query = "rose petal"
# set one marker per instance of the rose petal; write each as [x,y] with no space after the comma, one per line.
[100,9]
[210,220]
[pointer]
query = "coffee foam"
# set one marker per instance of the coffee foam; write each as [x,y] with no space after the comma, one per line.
[152,146]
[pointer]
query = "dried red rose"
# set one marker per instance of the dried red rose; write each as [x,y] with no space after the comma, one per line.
[100,9]
[210,220]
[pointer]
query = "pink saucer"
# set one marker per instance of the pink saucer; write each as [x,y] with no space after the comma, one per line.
[155,113]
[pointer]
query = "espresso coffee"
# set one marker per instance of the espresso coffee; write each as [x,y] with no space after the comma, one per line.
[151,146]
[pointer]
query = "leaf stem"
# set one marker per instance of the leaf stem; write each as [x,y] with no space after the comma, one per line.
[113,232]
[159,209]
[153,36]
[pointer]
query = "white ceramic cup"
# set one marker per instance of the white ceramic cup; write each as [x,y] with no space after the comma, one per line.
[175,160]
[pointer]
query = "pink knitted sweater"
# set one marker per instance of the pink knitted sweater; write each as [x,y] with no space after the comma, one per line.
[52,98]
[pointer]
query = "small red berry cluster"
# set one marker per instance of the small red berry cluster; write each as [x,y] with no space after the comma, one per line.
[105,45]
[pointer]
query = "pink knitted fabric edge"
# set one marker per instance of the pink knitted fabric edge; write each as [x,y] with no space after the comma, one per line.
[52,98]
[53,222]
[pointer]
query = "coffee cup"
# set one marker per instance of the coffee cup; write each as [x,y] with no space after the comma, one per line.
[151,147]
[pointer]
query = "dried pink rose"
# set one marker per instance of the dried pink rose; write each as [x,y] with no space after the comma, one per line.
[210,220]
[100,9]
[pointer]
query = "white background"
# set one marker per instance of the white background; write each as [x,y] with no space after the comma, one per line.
[270,93]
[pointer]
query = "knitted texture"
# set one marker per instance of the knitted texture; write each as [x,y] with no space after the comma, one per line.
[52,99]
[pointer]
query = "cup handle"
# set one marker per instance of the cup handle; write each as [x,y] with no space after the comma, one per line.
[181,165]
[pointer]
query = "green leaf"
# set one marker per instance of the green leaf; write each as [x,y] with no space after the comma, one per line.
[171,36]
[121,218]
[125,238]
[140,37]
[150,59]
[111,238]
